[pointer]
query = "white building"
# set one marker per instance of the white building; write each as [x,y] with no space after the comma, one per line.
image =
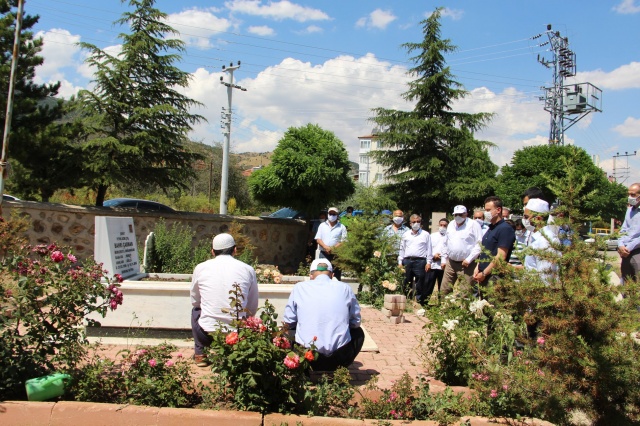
[371,173]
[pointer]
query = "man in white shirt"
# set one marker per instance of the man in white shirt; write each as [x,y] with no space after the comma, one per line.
[435,274]
[210,286]
[542,236]
[415,257]
[326,312]
[330,235]
[396,229]
[461,249]
[478,216]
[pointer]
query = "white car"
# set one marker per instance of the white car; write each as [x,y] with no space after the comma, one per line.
[8,197]
[612,243]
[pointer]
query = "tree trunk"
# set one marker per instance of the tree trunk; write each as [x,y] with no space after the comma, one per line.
[101,193]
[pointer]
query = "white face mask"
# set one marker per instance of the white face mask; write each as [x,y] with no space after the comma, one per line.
[442,230]
[633,201]
[415,226]
[398,220]
[488,216]
[333,217]
[480,222]
[527,225]
[520,232]
[459,220]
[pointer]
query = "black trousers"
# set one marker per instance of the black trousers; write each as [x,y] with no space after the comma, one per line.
[432,277]
[414,269]
[343,356]
[201,338]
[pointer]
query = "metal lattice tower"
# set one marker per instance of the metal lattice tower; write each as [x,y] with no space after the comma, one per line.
[567,104]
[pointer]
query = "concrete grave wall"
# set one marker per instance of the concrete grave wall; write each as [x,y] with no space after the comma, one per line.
[280,242]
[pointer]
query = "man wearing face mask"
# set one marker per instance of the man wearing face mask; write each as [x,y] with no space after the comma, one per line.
[397,229]
[520,244]
[498,240]
[629,242]
[331,234]
[461,248]
[415,256]
[435,274]
[542,236]
[478,216]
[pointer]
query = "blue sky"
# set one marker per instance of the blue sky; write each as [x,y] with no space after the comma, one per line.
[330,63]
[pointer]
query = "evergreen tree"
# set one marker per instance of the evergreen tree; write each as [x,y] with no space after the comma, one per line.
[138,118]
[34,108]
[433,159]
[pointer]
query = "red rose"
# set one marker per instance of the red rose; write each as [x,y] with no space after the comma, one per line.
[309,356]
[232,338]
[57,256]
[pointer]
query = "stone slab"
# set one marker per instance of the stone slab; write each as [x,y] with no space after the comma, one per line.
[186,416]
[23,413]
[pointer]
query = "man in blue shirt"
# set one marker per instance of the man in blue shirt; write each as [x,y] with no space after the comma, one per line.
[325,311]
[629,243]
[498,240]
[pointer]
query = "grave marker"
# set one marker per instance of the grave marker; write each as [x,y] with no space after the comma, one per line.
[115,245]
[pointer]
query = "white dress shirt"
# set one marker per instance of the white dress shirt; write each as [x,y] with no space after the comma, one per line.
[210,285]
[415,244]
[331,235]
[463,242]
[541,240]
[437,246]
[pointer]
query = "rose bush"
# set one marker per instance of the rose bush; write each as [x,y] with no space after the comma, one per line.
[45,295]
[257,367]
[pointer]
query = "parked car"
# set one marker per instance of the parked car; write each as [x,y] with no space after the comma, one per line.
[612,243]
[286,213]
[8,197]
[133,203]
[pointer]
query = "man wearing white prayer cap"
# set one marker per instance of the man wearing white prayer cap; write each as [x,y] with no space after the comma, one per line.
[541,237]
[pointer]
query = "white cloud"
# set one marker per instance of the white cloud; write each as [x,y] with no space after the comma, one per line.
[455,14]
[261,30]
[278,10]
[624,77]
[59,51]
[630,128]
[311,29]
[627,7]
[378,19]
[198,26]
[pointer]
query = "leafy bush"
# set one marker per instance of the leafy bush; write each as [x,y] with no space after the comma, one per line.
[332,396]
[144,376]
[44,310]
[381,276]
[173,249]
[257,366]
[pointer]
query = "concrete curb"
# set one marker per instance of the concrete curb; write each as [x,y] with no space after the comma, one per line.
[71,413]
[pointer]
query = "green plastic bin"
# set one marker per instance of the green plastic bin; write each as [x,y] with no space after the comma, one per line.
[47,387]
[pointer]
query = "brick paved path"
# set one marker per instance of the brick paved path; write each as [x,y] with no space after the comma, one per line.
[397,343]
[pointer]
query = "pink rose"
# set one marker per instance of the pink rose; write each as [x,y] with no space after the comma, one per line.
[505,388]
[169,363]
[57,256]
[494,393]
[281,342]
[179,356]
[540,341]
[232,338]
[292,361]
[152,362]
[254,324]
[118,278]
[72,258]
[141,352]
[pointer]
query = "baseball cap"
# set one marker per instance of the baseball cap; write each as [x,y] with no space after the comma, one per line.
[333,209]
[223,241]
[537,205]
[319,265]
[459,209]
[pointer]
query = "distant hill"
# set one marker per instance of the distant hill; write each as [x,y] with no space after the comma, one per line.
[248,160]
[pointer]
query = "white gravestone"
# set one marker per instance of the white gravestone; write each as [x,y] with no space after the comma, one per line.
[115,246]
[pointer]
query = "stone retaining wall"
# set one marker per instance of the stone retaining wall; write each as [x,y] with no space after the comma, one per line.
[279,242]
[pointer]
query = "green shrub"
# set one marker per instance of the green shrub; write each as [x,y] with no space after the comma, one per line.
[173,249]
[144,376]
[257,367]
[332,396]
[44,297]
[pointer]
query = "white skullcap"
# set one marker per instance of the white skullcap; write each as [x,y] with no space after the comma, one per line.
[318,262]
[223,241]
[537,205]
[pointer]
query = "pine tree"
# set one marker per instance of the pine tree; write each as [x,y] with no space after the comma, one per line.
[138,118]
[432,157]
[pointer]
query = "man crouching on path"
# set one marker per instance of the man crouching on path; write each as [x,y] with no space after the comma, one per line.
[326,311]
[210,286]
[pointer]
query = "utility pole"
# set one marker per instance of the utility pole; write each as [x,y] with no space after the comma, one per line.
[624,174]
[564,101]
[12,79]
[226,115]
